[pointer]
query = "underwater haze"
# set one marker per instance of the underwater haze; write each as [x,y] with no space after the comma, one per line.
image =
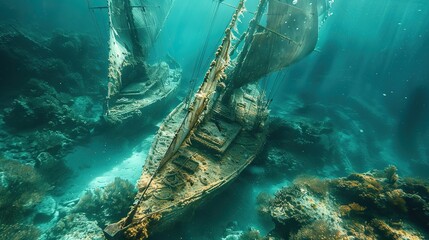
[346,157]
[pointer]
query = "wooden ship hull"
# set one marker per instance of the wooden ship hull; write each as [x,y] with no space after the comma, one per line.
[218,150]
[139,103]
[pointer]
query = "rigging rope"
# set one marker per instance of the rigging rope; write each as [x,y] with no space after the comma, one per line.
[269,65]
[276,86]
[97,26]
[218,42]
[204,49]
[197,68]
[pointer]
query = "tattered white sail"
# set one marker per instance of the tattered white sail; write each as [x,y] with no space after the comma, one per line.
[134,26]
[290,33]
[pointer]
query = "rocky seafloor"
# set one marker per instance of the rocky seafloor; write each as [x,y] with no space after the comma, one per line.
[373,205]
[52,86]
[50,102]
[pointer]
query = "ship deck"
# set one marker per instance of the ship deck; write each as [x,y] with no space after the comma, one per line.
[134,98]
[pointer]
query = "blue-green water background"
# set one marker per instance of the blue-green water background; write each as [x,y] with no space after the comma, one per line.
[371,52]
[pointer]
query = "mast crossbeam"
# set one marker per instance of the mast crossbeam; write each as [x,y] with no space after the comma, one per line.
[98,7]
[280,35]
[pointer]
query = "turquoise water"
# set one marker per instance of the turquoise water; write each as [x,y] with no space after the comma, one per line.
[367,81]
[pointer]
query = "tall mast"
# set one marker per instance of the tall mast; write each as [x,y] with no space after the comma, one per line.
[251,30]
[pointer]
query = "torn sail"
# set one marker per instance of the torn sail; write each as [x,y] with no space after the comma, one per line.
[290,34]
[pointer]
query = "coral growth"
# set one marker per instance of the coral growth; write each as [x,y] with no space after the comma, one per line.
[297,206]
[351,208]
[312,183]
[43,120]
[48,95]
[19,232]
[42,105]
[42,128]
[389,232]
[21,188]
[75,226]
[263,201]
[109,204]
[373,205]
[141,230]
[318,230]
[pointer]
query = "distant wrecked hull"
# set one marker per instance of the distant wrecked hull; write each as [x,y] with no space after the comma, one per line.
[218,151]
[137,90]
[139,103]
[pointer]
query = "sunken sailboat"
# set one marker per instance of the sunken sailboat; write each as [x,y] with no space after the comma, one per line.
[137,88]
[205,144]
